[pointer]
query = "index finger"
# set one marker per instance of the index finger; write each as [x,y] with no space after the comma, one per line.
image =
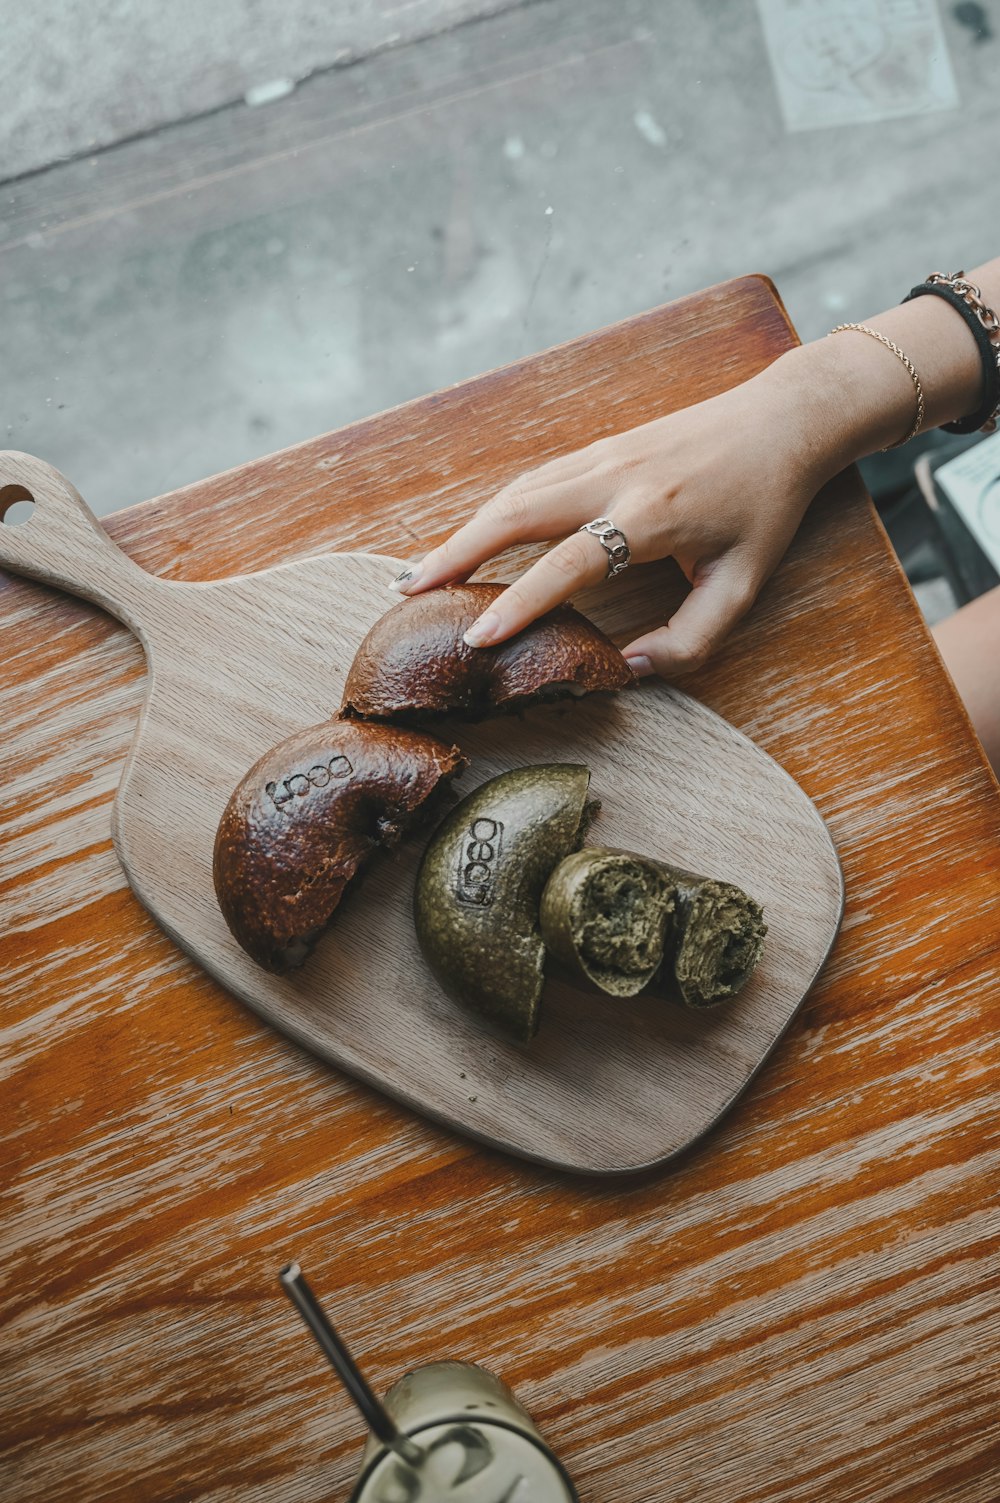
[576,562]
[540,504]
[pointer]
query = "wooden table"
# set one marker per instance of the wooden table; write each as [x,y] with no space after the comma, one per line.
[803,1308]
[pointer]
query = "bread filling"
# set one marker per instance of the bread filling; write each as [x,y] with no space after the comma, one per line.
[605,915]
[621,920]
[721,940]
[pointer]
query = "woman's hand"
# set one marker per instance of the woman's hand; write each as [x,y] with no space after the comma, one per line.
[720,487]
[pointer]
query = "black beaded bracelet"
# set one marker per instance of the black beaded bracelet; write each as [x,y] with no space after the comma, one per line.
[986,413]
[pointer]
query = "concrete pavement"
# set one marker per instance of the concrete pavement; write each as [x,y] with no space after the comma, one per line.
[75,78]
[229,285]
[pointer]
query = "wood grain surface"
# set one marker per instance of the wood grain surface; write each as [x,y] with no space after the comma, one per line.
[607,1087]
[803,1307]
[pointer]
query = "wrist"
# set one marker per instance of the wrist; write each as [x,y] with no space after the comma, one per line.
[838,400]
[847,395]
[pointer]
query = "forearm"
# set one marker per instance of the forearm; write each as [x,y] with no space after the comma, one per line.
[719,486]
[848,395]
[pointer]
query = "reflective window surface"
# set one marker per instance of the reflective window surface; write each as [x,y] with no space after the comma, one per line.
[460,186]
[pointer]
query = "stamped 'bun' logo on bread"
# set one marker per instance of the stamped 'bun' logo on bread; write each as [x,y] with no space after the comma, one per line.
[478,861]
[298,784]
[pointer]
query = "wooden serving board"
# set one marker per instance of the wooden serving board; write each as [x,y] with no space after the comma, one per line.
[238,664]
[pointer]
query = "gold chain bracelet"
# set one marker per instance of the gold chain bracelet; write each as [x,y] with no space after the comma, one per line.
[910,370]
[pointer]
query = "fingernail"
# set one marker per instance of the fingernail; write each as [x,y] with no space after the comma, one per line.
[640,666]
[404,581]
[483,630]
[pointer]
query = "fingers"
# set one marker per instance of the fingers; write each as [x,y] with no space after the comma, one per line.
[705,617]
[577,561]
[542,504]
[514,516]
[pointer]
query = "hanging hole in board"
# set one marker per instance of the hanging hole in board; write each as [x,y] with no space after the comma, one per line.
[16,505]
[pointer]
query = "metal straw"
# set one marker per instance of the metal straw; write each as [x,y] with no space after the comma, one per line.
[376,1416]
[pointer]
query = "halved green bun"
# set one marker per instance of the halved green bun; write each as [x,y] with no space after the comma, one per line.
[625,922]
[718,938]
[480,883]
[605,915]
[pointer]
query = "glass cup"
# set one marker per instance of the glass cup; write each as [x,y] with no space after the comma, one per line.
[479,1445]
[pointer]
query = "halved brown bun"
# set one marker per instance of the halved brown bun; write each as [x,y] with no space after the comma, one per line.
[305,820]
[414,666]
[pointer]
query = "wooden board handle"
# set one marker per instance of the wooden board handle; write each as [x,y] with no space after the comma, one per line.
[62,543]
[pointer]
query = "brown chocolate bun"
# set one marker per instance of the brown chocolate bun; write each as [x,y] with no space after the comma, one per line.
[414,666]
[305,820]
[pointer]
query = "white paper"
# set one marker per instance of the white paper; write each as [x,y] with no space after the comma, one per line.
[971,481]
[849,62]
